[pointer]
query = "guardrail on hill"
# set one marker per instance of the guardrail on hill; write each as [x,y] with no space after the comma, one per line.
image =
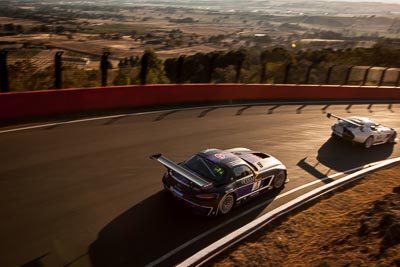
[19,105]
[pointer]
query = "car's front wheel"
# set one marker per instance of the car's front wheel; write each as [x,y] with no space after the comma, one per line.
[369,142]
[226,204]
[279,180]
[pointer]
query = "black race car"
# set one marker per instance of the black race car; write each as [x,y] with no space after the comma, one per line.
[213,181]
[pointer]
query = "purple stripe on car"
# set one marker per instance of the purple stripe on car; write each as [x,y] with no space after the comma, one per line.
[245,190]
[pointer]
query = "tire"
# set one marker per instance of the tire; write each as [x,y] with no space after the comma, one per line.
[369,142]
[392,138]
[279,180]
[226,204]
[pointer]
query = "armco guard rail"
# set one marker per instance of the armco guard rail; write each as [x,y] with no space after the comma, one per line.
[229,240]
[16,105]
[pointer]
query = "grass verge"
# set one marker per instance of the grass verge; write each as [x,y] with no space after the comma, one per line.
[356,227]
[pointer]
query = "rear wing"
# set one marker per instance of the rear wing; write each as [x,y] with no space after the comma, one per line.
[343,119]
[182,171]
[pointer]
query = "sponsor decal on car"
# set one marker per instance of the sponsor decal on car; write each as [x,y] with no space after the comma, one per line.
[219,156]
[247,180]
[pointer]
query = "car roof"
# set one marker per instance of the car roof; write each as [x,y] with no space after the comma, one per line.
[222,157]
[361,120]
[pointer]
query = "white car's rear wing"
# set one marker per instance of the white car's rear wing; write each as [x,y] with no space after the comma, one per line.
[182,171]
[343,119]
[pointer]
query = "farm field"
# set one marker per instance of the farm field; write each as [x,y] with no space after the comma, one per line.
[317,35]
[175,28]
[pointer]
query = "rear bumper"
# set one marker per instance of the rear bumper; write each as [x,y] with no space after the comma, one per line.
[198,208]
[342,137]
[346,135]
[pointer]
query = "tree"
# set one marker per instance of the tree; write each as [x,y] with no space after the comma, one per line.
[152,68]
[10,27]
[121,79]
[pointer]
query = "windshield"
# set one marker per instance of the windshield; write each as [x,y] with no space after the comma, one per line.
[205,168]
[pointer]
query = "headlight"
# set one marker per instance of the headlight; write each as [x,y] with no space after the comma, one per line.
[208,196]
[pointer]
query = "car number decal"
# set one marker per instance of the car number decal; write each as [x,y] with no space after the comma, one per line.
[252,188]
[256,185]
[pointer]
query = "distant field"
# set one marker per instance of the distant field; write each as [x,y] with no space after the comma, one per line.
[129,30]
[24,22]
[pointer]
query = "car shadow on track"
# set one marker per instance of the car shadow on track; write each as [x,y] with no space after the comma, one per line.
[341,155]
[160,224]
[311,169]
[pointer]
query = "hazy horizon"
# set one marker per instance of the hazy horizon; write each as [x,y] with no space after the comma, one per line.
[314,1]
[376,1]
[273,1]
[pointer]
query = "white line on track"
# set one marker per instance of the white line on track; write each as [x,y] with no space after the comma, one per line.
[194,108]
[197,238]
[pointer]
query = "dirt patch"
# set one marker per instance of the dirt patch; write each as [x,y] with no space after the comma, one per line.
[357,227]
[23,22]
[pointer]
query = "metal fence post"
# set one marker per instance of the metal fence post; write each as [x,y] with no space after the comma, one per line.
[179,71]
[263,77]
[238,70]
[382,76]
[143,70]
[366,75]
[287,71]
[58,70]
[3,72]
[104,68]
[328,74]
[308,73]
[346,79]
[211,67]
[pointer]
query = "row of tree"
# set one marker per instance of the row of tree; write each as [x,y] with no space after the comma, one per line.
[277,65]
[269,66]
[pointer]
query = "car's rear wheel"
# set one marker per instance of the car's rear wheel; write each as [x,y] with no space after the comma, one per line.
[369,142]
[279,180]
[226,204]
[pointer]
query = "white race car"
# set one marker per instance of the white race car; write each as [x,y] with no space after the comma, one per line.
[362,130]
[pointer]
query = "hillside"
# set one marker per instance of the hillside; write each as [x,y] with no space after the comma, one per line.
[357,227]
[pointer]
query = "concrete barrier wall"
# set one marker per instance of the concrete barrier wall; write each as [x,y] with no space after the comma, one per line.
[19,105]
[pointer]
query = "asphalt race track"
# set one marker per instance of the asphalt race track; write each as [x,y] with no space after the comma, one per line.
[87,194]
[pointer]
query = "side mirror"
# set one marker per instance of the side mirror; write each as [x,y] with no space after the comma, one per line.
[329,115]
